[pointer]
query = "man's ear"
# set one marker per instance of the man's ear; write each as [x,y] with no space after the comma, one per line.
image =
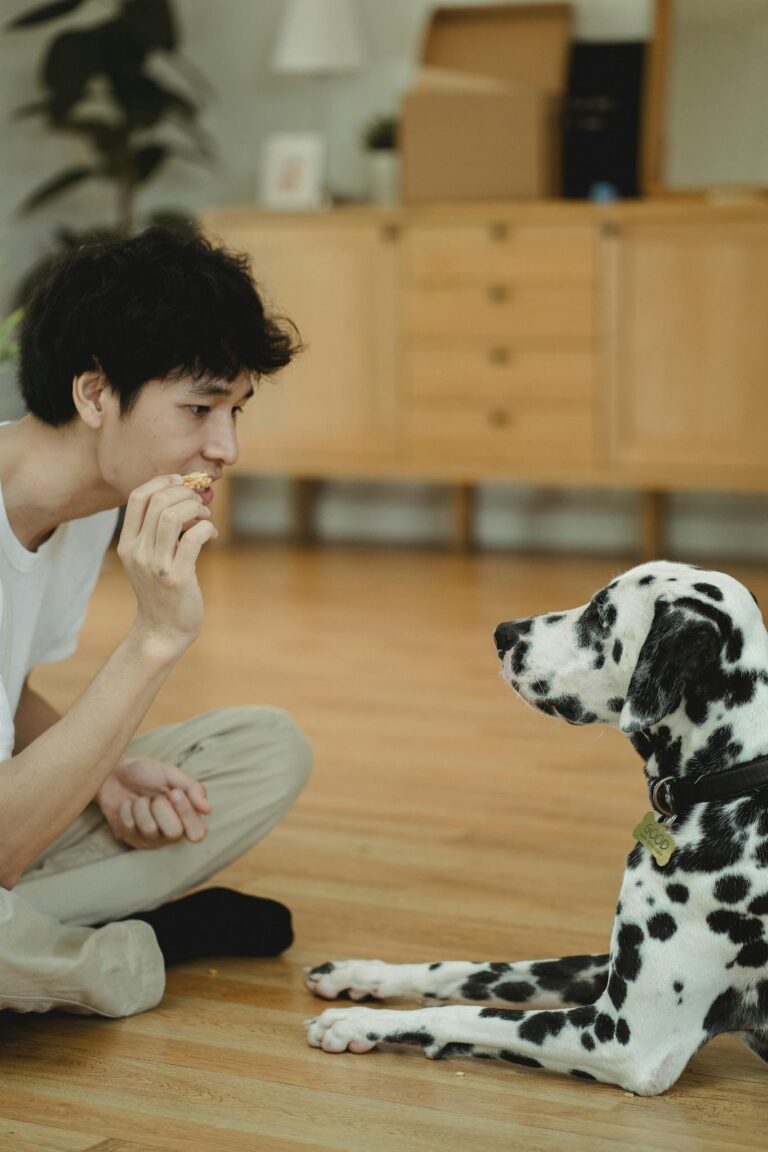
[677,648]
[88,395]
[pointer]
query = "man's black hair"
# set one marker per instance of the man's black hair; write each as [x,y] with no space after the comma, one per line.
[156,306]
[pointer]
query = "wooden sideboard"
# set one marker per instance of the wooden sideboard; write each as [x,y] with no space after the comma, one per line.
[555,344]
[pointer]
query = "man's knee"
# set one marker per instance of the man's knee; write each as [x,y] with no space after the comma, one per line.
[287,744]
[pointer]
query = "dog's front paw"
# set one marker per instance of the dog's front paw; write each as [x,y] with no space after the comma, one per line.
[339,1029]
[355,979]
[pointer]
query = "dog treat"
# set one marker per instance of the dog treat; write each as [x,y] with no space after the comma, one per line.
[197,480]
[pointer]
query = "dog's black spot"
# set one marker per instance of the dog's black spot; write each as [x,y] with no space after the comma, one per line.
[617,989]
[540,687]
[668,751]
[322,969]
[662,926]
[421,1038]
[623,1033]
[753,955]
[569,708]
[605,1028]
[739,929]
[628,958]
[759,906]
[635,857]
[591,626]
[581,1075]
[618,648]
[554,617]
[731,889]
[709,590]
[516,991]
[540,1025]
[616,703]
[583,1017]
[678,987]
[599,661]
[478,985]
[519,652]
[587,1041]
[453,1049]
[439,964]
[646,580]
[678,893]
[511,1014]
[720,751]
[514,1058]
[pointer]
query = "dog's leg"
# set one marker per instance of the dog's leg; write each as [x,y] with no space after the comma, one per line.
[548,983]
[636,1035]
[590,1043]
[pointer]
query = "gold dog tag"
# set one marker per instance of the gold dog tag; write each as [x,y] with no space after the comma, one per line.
[655,837]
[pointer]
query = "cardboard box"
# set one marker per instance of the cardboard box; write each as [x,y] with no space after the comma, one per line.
[482,121]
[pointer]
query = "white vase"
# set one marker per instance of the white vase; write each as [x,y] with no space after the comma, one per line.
[383,176]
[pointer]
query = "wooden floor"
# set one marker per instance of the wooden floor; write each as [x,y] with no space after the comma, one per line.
[444,820]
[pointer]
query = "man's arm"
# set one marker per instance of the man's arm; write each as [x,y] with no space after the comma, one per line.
[34,716]
[48,784]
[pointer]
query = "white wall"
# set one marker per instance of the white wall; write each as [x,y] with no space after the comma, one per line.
[230,41]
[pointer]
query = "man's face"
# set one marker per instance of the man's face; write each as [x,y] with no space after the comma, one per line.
[176,426]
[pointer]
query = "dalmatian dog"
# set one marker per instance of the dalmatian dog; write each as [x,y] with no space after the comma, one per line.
[676,658]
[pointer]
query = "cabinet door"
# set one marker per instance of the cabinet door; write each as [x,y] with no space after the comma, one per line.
[336,283]
[689,365]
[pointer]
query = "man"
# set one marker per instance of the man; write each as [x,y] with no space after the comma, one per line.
[136,358]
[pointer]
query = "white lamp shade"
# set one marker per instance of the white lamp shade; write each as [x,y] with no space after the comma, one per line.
[318,36]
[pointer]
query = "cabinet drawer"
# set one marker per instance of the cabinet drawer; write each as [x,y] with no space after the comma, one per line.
[474,253]
[530,431]
[501,310]
[498,370]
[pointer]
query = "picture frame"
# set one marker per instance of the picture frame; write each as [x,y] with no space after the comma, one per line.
[293,171]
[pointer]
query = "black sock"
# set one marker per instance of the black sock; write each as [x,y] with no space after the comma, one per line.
[219,922]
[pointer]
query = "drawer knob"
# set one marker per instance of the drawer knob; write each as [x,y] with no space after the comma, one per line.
[390,232]
[498,293]
[498,417]
[498,231]
[498,355]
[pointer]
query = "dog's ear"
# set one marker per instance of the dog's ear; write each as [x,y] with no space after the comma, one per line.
[677,648]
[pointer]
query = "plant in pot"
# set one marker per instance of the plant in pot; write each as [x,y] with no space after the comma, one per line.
[383,162]
[108,84]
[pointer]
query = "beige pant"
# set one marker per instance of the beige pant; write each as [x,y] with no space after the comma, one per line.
[253,761]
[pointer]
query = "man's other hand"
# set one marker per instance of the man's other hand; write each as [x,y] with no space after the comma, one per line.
[149,804]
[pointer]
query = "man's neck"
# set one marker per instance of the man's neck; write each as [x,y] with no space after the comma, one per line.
[48,476]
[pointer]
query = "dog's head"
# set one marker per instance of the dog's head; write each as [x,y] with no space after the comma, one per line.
[658,635]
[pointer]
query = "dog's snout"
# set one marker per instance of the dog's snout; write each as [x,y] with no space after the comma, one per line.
[508,634]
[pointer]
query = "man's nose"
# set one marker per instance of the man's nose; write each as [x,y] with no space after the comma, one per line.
[508,634]
[222,446]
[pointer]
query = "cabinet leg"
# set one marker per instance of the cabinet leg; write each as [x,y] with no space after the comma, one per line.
[463,517]
[654,525]
[303,494]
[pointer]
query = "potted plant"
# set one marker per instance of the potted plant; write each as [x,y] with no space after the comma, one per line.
[99,84]
[380,141]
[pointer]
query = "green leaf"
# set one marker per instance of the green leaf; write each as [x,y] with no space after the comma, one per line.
[151,22]
[46,12]
[73,59]
[56,185]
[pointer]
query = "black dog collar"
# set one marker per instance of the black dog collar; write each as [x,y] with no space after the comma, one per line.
[671,796]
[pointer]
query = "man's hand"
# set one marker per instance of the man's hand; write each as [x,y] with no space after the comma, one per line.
[149,804]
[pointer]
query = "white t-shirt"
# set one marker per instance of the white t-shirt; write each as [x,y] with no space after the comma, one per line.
[43,601]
